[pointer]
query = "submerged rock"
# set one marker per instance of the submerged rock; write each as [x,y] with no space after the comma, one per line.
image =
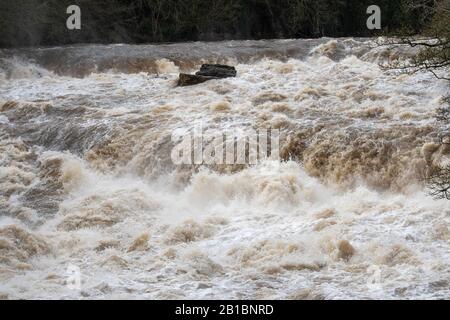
[207,72]
[192,79]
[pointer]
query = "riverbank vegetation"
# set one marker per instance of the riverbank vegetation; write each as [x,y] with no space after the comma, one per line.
[43,22]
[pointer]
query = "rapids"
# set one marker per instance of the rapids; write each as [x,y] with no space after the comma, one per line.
[87,185]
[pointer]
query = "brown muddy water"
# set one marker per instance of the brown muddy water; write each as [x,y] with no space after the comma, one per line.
[88,188]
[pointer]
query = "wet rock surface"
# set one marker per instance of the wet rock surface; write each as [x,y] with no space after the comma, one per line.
[207,72]
[217,70]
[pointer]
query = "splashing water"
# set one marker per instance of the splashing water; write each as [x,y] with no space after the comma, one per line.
[87,182]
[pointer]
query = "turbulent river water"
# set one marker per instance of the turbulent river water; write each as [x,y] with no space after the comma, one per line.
[92,207]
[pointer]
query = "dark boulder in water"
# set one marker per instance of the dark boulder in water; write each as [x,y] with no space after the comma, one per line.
[217,70]
[192,79]
[207,72]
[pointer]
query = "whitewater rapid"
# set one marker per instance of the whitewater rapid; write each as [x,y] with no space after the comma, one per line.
[88,189]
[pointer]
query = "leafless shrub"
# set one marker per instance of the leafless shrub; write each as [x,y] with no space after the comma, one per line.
[439,183]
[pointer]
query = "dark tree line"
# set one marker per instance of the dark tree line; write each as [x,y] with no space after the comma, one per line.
[43,22]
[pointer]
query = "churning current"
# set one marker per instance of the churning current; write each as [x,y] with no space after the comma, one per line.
[93,207]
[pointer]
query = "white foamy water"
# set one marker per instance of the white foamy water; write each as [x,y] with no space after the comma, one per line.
[87,183]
